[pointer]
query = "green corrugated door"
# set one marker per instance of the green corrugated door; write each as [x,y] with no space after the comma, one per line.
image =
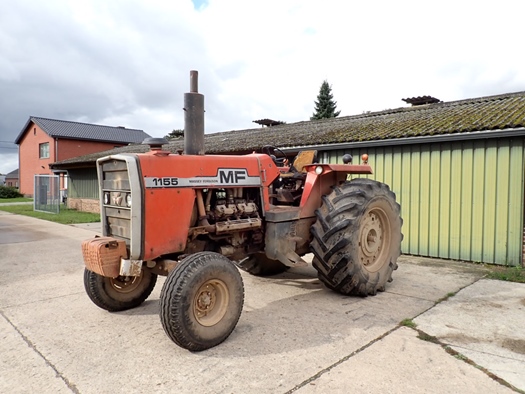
[460,200]
[83,183]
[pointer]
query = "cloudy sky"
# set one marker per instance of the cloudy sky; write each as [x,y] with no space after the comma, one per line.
[127,62]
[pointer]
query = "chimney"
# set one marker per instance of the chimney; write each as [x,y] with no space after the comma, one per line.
[421,100]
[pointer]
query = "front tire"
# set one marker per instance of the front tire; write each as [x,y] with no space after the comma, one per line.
[201,301]
[121,293]
[357,237]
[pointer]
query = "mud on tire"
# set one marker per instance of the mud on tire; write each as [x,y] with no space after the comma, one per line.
[201,301]
[121,293]
[357,237]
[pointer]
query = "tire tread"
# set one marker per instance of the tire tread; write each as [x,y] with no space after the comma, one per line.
[335,245]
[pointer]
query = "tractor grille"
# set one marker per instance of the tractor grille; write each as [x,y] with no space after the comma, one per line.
[116,199]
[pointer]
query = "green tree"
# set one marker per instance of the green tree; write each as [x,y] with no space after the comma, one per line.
[174,134]
[325,106]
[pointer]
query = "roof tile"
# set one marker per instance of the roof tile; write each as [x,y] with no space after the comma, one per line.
[506,111]
[85,131]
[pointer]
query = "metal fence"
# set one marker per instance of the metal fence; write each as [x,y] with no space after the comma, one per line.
[47,193]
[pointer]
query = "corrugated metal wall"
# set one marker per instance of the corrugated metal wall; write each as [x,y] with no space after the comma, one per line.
[459,200]
[83,183]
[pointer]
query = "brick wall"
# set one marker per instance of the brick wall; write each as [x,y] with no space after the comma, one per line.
[12,182]
[74,148]
[84,204]
[30,162]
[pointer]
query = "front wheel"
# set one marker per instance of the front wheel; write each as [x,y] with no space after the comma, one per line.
[201,301]
[357,237]
[121,293]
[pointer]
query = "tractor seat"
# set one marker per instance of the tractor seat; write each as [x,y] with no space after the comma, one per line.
[302,159]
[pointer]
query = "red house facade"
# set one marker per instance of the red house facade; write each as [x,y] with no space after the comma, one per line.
[11,179]
[44,141]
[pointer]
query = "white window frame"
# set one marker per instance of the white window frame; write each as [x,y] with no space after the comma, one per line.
[43,150]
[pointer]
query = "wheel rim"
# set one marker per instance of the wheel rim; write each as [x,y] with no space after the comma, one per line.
[374,239]
[125,284]
[211,302]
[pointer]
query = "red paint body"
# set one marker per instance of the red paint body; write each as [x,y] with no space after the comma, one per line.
[169,210]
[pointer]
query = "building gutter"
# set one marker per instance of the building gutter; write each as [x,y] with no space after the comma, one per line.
[474,135]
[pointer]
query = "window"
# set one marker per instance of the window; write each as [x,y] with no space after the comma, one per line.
[44,150]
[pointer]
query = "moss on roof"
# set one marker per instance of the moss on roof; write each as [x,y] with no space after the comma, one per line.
[501,112]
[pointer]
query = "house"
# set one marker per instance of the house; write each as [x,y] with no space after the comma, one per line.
[44,141]
[11,179]
[457,168]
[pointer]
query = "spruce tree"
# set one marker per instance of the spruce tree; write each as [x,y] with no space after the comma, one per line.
[325,106]
[176,133]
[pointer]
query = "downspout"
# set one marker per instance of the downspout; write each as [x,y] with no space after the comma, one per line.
[60,175]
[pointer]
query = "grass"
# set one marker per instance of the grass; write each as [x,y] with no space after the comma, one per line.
[510,274]
[66,216]
[17,199]
[428,338]
[445,297]
[408,323]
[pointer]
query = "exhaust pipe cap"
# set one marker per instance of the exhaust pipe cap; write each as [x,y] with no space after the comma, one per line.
[155,143]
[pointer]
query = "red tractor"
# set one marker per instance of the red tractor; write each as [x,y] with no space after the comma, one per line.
[195,218]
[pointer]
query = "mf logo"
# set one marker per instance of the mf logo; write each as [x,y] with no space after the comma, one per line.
[231,175]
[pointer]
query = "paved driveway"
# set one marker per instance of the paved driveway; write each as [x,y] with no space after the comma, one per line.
[293,335]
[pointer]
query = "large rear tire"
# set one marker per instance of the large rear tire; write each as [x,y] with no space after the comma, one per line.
[201,301]
[357,237]
[121,293]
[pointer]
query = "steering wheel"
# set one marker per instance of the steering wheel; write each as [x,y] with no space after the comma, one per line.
[271,150]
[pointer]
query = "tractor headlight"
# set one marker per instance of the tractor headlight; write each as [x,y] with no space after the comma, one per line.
[106,198]
[128,200]
[318,170]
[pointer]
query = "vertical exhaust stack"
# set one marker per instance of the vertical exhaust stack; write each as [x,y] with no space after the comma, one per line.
[194,118]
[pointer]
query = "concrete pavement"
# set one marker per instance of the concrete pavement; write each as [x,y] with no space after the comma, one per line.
[294,335]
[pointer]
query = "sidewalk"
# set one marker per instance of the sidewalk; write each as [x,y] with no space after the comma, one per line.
[16,203]
[294,335]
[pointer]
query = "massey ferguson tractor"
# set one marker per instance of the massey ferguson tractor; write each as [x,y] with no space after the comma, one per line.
[196,218]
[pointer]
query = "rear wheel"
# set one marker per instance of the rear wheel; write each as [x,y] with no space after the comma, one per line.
[357,237]
[201,301]
[121,293]
[259,265]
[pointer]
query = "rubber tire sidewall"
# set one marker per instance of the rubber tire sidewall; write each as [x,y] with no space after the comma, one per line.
[339,267]
[178,295]
[100,290]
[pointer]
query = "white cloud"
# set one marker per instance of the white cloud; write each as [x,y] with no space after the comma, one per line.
[127,62]
[8,162]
